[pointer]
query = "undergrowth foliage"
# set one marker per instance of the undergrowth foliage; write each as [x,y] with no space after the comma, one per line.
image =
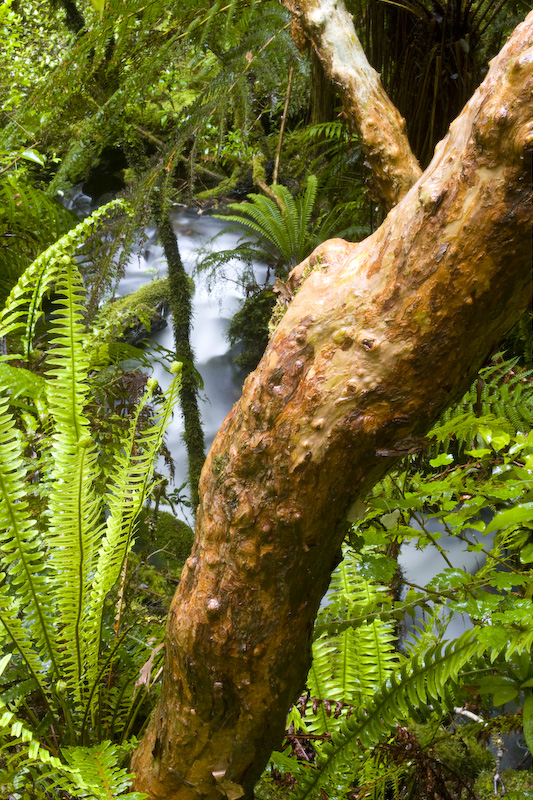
[387,671]
[69,663]
[29,222]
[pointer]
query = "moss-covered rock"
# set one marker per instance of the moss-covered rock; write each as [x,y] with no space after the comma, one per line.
[133,316]
[164,533]
[464,756]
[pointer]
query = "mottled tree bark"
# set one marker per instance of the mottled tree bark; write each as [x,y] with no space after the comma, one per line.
[381,128]
[380,338]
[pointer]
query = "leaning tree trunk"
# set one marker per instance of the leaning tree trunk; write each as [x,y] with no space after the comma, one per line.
[380,338]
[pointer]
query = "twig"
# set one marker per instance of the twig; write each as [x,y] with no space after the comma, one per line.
[282,127]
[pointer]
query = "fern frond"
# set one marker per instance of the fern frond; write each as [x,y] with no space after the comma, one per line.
[306,205]
[502,395]
[99,770]
[75,510]
[26,611]
[414,686]
[284,224]
[424,685]
[23,306]
[20,744]
[348,666]
[130,484]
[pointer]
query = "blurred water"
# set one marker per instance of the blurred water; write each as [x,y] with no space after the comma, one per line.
[212,313]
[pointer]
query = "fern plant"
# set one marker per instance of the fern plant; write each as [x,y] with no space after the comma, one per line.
[369,689]
[502,393]
[287,228]
[64,545]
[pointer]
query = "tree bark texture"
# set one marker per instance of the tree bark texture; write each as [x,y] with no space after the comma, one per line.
[380,337]
[380,126]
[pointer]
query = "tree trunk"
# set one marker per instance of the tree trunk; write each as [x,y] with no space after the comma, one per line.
[380,338]
[366,105]
[181,310]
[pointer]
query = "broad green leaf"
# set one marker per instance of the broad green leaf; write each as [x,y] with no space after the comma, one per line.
[33,155]
[500,440]
[390,520]
[504,695]
[526,553]
[441,460]
[501,688]
[511,516]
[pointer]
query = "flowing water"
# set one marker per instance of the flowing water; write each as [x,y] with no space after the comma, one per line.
[212,312]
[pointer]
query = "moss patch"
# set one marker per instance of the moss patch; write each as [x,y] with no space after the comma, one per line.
[518,785]
[163,545]
[135,315]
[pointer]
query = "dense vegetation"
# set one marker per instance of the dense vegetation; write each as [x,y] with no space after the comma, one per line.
[214,105]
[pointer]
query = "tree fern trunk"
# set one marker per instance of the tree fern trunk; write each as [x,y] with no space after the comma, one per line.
[74,19]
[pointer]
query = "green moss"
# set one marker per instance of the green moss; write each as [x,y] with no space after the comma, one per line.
[135,310]
[166,533]
[162,546]
[240,175]
[249,327]
[220,462]
[464,755]
[148,295]
[258,169]
[518,785]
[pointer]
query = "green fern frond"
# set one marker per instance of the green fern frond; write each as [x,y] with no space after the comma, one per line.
[350,595]
[23,306]
[75,511]
[100,771]
[502,395]
[130,485]
[424,685]
[336,131]
[306,207]
[285,224]
[377,657]
[64,559]
[20,382]
[412,688]
[24,597]
[349,665]
[21,745]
